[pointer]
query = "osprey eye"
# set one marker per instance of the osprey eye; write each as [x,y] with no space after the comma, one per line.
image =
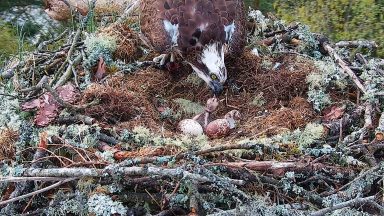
[213,77]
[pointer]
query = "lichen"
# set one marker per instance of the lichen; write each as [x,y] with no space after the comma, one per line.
[258,100]
[319,81]
[99,46]
[67,206]
[188,107]
[311,133]
[103,205]
[83,136]
[9,107]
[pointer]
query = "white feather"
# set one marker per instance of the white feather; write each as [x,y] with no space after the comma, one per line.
[173,31]
[229,30]
[213,57]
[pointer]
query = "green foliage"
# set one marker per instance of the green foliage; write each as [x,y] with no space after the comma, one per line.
[339,19]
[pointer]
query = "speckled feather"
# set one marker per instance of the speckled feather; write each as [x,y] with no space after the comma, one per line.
[191,15]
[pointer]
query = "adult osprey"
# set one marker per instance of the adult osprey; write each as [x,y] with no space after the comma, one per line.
[201,31]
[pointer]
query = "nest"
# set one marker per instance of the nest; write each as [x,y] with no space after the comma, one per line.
[128,42]
[139,98]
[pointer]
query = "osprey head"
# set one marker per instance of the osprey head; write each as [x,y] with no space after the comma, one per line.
[209,65]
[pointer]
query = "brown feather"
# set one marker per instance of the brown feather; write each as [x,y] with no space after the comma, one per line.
[190,15]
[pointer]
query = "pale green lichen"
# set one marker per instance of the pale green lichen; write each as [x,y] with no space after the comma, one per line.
[259,100]
[106,155]
[103,205]
[82,136]
[9,107]
[188,107]
[142,135]
[328,75]
[194,80]
[373,80]
[311,133]
[61,205]
[99,46]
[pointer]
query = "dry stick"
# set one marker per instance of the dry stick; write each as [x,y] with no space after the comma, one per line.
[68,72]
[19,179]
[351,182]
[36,192]
[358,43]
[345,67]
[128,11]
[353,202]
[45,43]
[127,171]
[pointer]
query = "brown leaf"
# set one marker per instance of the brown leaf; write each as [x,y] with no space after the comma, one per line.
[334,113]
[100,73]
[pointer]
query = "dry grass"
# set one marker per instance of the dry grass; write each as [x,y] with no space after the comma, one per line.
[8,138]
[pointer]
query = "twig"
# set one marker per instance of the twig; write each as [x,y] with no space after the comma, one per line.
[353,202]
[345,67]
[36,192]
[19,179]
[45,43]
[373,169]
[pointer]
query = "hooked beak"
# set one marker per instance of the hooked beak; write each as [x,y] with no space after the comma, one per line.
[216,87]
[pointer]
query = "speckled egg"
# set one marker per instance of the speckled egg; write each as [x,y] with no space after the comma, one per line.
[190,127]
[218,129]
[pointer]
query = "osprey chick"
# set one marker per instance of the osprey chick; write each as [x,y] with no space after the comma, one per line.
[201,31]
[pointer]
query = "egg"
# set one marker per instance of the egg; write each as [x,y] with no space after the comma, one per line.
[190,127]
[218,128]
[222,127]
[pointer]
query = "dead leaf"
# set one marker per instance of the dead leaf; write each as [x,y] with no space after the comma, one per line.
[334,113]
[101,70]
[48,107]
[29,105]
[67,93]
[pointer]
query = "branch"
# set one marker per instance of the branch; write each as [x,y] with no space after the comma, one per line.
[357,43]
[345,67]
[353,202]
[36,192]
[126,171]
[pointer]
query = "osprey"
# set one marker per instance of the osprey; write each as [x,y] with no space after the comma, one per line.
[200,31]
